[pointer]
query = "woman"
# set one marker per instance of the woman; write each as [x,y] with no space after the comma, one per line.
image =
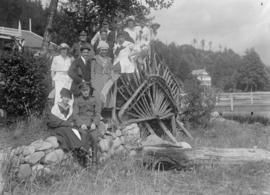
[61,124]
[59,71]
[132,30]
[101,68]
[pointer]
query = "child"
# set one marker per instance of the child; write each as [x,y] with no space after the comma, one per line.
[87,109]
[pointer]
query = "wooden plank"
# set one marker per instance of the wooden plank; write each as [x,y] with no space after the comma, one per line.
[166,130]
[181,158]
[184,129]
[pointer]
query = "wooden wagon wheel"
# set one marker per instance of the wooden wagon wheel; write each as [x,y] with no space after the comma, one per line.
[150,95]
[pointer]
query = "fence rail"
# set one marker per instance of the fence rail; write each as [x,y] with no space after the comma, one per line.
[249,102]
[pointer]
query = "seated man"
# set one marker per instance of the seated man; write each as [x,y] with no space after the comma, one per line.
[87,110]
[60,122]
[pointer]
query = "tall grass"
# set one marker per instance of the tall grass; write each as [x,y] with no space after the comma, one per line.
[248,118]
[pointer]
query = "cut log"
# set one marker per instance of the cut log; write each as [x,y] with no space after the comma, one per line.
[180,158]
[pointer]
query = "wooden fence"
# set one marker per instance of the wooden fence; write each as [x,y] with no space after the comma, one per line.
[244,102]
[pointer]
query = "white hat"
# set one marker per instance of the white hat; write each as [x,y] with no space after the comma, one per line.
[130,18]
[103,45]
[64,46]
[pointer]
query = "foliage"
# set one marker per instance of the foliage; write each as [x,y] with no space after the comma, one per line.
[252,74]
[11,11]
[198,103]
[26,83]
[77,15]
[247,118]
[228,70]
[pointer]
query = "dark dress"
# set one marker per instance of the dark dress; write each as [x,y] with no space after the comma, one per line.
[60,124]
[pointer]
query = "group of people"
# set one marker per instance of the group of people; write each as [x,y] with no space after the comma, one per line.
[79,80]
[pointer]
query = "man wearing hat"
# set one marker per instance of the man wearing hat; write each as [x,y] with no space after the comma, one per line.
[76,48]
[104,27]
[59,71]
[80,70]
[87,110]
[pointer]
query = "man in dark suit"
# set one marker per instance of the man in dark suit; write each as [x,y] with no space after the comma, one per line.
[80,70]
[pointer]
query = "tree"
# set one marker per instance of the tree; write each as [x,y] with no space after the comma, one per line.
[203,44]
[194,42]
[252,74]
[210,45]
[11,11]
[47,33]
[77,15]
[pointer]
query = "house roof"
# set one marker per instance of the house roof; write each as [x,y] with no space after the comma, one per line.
[33,40]
[199,72]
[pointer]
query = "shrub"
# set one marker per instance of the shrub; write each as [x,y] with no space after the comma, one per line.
[26,83]
[247,118]
[198,103]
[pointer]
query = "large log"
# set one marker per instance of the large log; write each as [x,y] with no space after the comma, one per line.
[178,157]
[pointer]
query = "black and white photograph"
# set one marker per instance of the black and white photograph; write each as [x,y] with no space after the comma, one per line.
[134,97]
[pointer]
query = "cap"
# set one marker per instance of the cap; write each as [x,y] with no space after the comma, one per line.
[84,86]
[64,46]
[83,33]
[65,93]
[86,46]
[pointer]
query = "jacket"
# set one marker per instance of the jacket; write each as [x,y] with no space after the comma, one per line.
[79,71]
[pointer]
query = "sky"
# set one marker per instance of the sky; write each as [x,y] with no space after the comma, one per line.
[235,24]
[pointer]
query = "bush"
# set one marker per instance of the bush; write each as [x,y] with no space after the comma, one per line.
[26,83]
[247,118]
[198,103]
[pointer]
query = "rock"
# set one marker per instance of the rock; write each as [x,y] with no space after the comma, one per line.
[116,143]
[104,145]
[28,150]
[41,145]
[214,114]
[184,145]
[36,169]
[34,158]
[52,140]
[132,153]
[24,171]
[54,157]
[118,133]
[153,140]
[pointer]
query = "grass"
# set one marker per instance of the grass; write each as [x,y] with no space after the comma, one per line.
[123,175]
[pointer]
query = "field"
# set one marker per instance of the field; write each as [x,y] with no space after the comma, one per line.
[122,175]
[244,103]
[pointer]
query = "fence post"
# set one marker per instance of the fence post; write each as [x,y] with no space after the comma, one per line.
[231,95]
[251,98]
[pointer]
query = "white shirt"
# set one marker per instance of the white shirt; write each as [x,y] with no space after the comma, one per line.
[60,64]
[84,61]
[97,37]
[133,33]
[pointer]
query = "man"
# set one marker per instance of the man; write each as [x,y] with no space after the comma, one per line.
[76,48]
[104,26]
[80,70]
[87,110]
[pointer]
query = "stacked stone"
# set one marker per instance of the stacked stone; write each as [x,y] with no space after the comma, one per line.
[121,141]
[38,157]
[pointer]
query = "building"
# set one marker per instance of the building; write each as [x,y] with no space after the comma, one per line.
[22,38]
[202,76]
